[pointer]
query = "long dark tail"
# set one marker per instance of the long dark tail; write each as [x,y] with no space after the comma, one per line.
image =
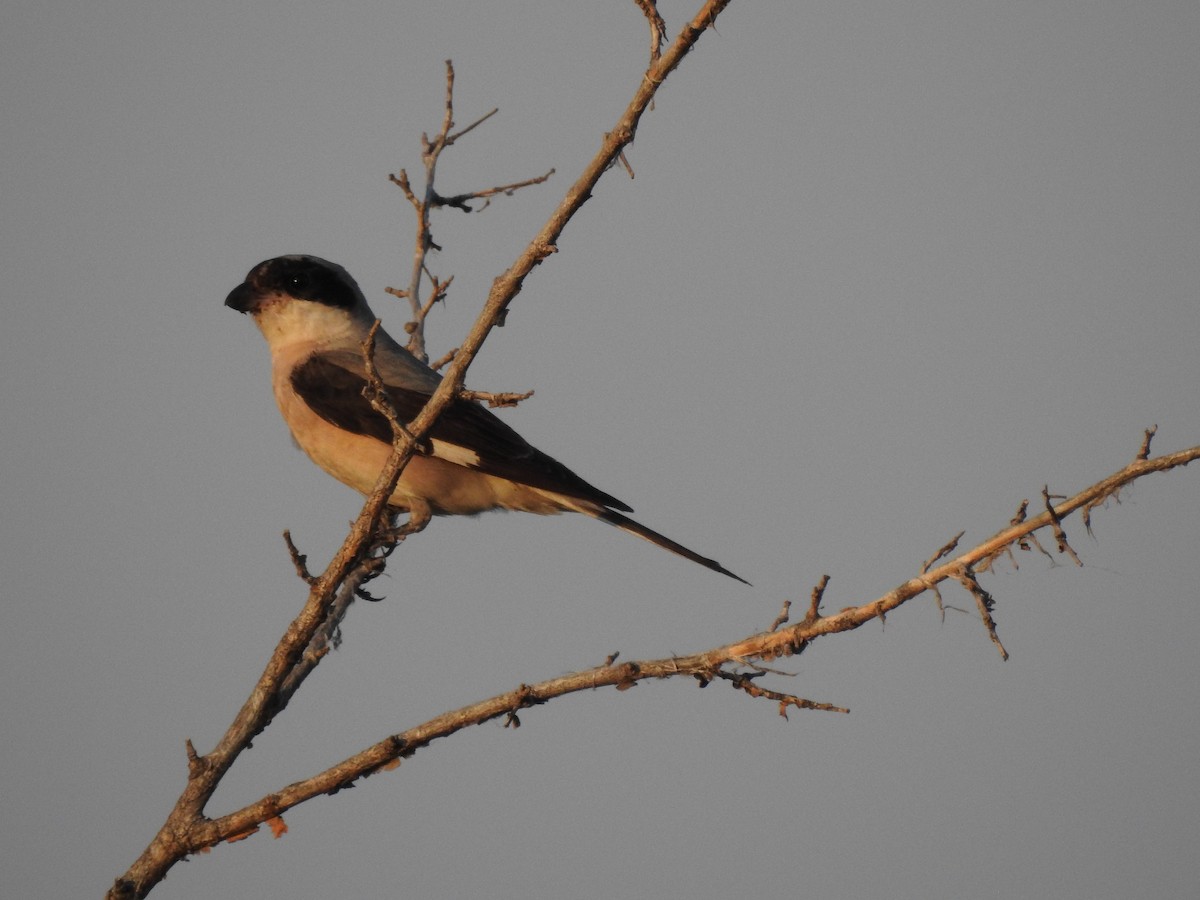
[648,534]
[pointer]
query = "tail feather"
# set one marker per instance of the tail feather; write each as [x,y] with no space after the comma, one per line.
[627,524]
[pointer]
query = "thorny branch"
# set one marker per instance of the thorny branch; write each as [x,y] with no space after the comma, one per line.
[658,28]
[495,400]
[187,829]
[373,534]
[728,663]
[725,663]
[431,151]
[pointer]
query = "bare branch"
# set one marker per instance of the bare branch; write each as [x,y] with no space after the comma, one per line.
[1059,535]
[814,604]
[431,151]
[785,642]
[462,201]
[506,286]
[445,360]
[450,139]
[374,534]
[721,663]
[744,681]
[658,28]
[1144,450]
[186,828]
[299,560]
[625,164]
[943,552]
[985,604]
[495,400]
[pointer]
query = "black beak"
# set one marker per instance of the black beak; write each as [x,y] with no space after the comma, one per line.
[242,298]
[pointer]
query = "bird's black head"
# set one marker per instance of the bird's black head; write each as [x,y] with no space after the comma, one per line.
[303,277]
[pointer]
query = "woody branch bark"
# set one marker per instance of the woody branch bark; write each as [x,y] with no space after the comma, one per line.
[738,663]
[187,829]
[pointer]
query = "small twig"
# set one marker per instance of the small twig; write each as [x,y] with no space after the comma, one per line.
[944,551]
[759,669]
[1022,509]
[1144,450]
[437,364]
[400,179]
[625,164]
[450,139]
[658,27]
[1056,527]
[814,603]
[744,681]
[299,560]
[1099,502]
[438,290]
[495,400]
[430,151]
[782,617]
[437,294]
[989,564]
[375,391]
[1033,540]
[423,206]
[1017,519]
[985,602]
[435,148]
[523,699]
[462,201]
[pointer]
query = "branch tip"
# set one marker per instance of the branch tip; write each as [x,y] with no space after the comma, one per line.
[1144,451]
[985,603]
[782,617]
[1060,536]
[299,560]
[814,603]
[944,551]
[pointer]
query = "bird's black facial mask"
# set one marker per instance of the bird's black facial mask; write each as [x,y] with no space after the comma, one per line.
[302,277]
[306,278]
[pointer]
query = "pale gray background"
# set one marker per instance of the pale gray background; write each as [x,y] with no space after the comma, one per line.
[885,270]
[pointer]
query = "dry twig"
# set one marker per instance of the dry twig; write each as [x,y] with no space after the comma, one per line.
[431,151]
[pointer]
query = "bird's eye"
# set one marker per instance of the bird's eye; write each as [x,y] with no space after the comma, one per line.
[299,283]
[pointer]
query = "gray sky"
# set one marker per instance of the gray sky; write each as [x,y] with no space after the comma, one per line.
[885,270]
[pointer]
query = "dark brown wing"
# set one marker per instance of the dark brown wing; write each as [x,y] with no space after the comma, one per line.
[334,392]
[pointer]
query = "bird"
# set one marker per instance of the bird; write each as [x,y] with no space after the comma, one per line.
[315,318]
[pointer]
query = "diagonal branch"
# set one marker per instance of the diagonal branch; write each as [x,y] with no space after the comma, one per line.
[186,827]
[786,641]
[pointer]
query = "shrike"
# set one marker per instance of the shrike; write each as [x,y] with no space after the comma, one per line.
[315,320]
